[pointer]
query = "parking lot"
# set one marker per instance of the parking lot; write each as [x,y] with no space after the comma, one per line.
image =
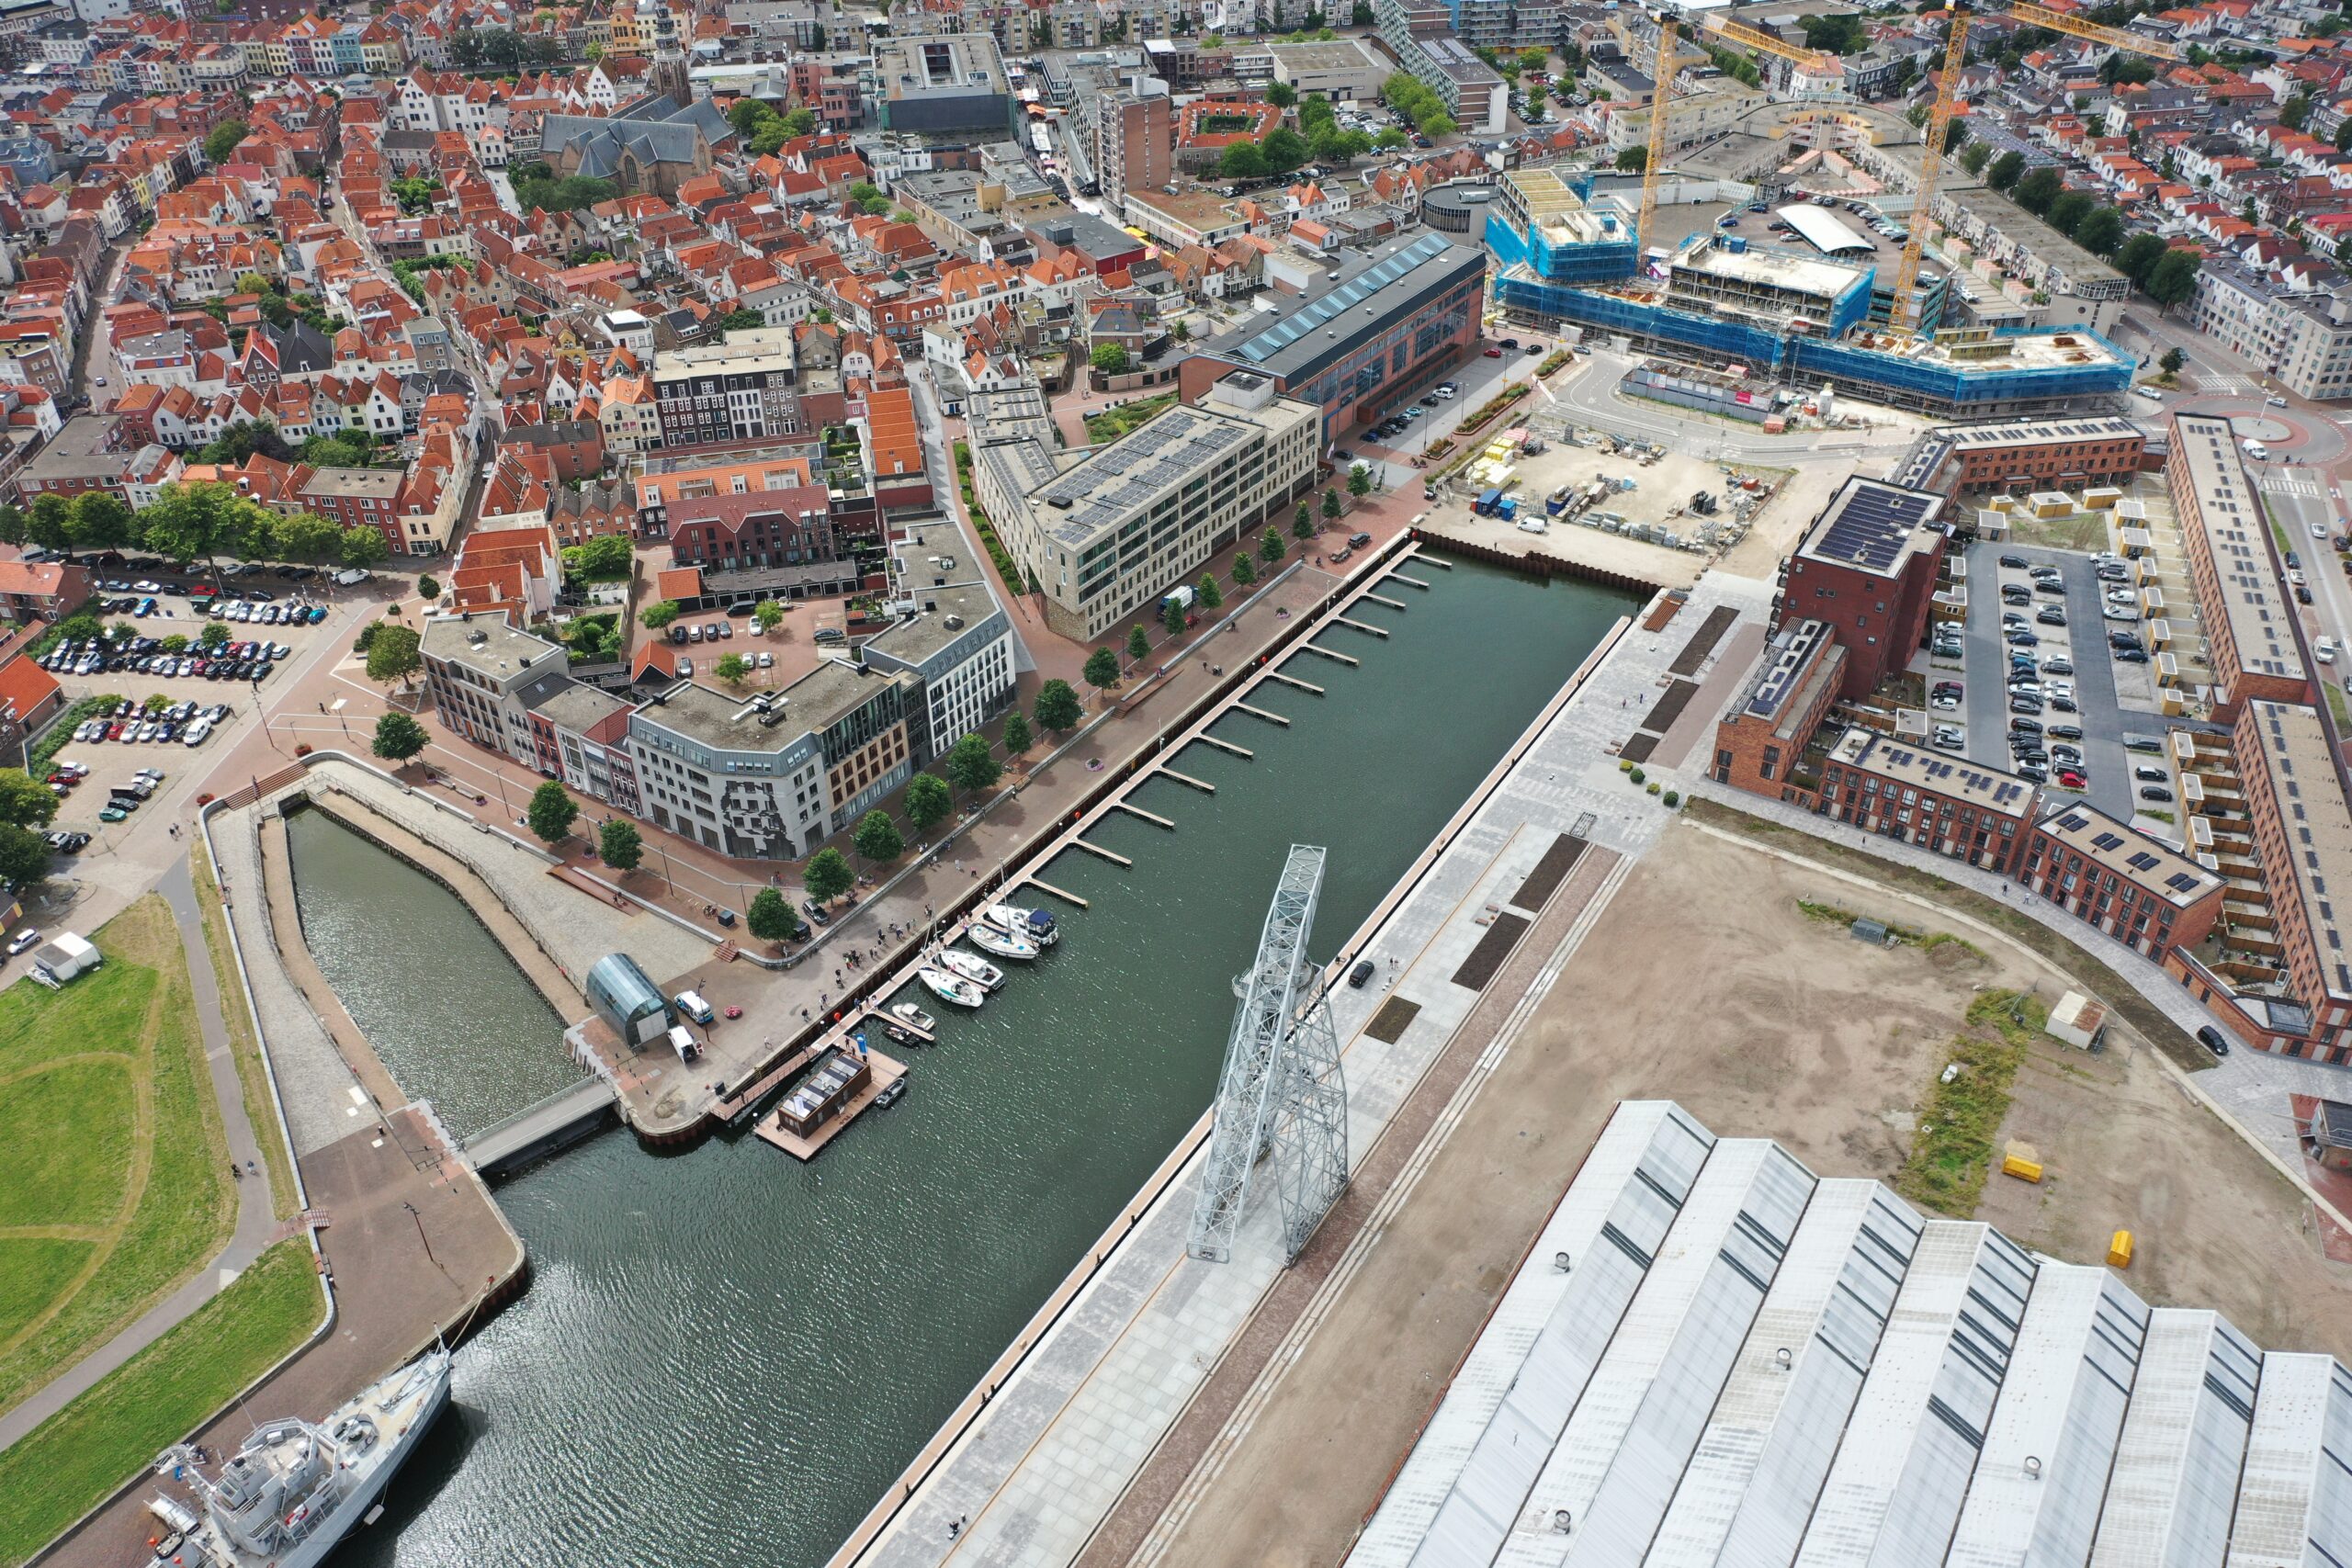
[2073,664]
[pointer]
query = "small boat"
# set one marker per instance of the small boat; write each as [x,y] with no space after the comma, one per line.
[897,1035]
[907,1012]
[973,967]
[1002,944]
[950,987]
[1037,925]
[892,1093]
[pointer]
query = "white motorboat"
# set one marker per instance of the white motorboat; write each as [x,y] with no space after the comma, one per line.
[290,1495]
[973,967]
[950,987]
[1036,925]
[1002,944]
[907,1012]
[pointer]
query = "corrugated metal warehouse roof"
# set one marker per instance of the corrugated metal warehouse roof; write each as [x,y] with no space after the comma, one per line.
[1712,1357]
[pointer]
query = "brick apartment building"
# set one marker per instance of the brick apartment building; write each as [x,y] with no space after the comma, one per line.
[2302,838]
[2248,620]
[2020,456]
[574,447]
[1134,144]
[2146,895]
[45,591]
[1947,804]
[1765,731]
[359,498]
[1868,567]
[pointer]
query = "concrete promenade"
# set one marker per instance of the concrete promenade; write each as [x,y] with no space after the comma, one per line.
[1100,1409]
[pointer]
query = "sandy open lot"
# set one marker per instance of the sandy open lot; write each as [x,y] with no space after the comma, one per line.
[1704,983]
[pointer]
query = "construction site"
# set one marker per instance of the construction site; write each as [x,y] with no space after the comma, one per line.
[1811,302]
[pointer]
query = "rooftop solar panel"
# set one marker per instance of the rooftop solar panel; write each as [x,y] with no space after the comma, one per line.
[2180,881]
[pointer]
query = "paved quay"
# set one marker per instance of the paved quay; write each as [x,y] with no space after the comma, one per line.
[1130,1386]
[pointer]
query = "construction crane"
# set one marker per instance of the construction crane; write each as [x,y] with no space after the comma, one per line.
[1818,60]
[1907,310]
[1662,77]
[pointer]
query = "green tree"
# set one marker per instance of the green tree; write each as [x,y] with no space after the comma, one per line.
[1284,149]
[428,587]
[929,800]
[1360,481]
[1835,35]
[2296,111]
[1017,740]
[1245,570]
[1955,133]
[551,812]
[605,558]
[1102,669]
[24,856]
[619,845]
[1270,548]
[2067,213]
[1057,707]
[772,918]
[184,523]
[213,635]
[2172,362]
[878,839]
[392,654]
[737,321]
[175,644]
[766,615]
[970,766]
[1388,138]
[222,139]
[1138,646]
[398,738]
[799,122]
[363,548]
[2100,233]
[1110,359]
[2344,135]
[1634,160]
[100,519]
[1976,155]
[2139,256]
[2174,280]
[25,801]
[828,875]
[1171,615]
[2006,170]
[731,669]
[746,114]
[658,613]
[1212,596]
[1331,503]
[1282,94]
[2038,190]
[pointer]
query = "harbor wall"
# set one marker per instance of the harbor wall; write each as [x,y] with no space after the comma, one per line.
[1535,561]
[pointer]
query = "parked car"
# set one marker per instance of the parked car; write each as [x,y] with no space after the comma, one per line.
[2212,1040]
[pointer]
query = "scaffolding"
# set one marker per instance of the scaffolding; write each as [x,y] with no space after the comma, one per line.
[1281,1095]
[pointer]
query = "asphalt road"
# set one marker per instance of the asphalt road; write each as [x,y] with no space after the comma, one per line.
[2306,498]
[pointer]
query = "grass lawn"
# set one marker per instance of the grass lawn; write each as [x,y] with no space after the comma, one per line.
[1953,1151]
[58,1471]
[110,1140]
[2085,533]
[1111,424]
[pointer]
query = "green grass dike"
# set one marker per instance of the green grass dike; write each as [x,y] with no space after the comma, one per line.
[70,1463]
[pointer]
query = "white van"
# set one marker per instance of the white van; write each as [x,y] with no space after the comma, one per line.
[683,1042]
[2257,450]
[2324,650]
[350,577]
[694,1007]
[2148,392]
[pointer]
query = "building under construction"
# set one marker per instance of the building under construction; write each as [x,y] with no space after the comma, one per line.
[1722,299]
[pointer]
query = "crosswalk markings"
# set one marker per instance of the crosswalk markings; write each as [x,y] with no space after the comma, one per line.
[2278,484]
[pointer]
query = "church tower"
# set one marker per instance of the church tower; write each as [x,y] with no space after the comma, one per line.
[660,24]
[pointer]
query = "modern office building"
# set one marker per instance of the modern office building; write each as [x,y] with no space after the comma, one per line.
[485,676]
[772,776]
[1122,524]
[1868,566]
[1377,328]
[2248,621]
[955,650]
[1712,1354]
[743,389]
[945,85]
[1134,144]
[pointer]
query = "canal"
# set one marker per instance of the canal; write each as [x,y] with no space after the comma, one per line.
[725,1355]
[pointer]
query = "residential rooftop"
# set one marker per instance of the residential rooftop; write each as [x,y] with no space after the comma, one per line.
[1915,767]
[2131,856]
[2299,761]
[1872,525]
[2232,517]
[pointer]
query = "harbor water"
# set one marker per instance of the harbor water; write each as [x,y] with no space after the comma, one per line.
[725,1356]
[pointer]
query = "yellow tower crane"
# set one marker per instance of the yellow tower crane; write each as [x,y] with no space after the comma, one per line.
[1662,77]
[1907,308]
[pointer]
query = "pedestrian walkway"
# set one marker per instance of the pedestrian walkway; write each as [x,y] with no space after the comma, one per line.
[2287,483]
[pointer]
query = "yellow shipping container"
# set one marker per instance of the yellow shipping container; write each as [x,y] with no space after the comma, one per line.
[2118,1251]
[2023,1170]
